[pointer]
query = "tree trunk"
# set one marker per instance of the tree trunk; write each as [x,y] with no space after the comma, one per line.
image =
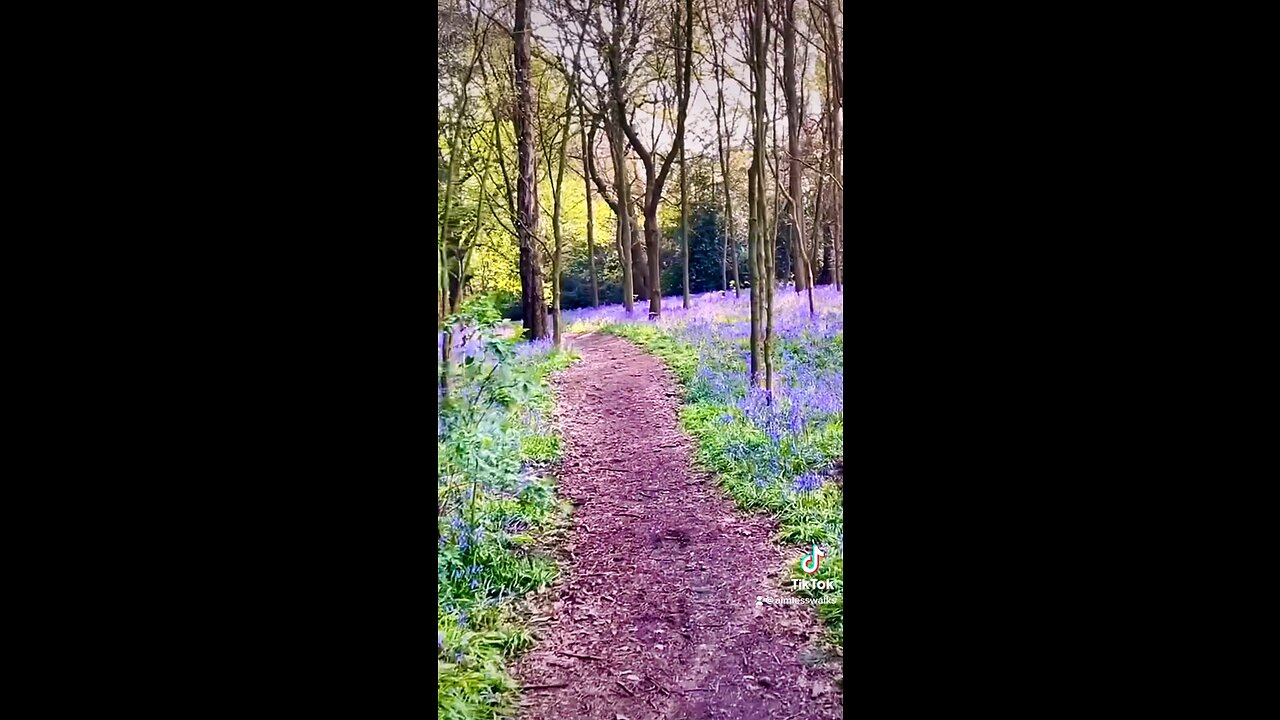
[723,151]
[557,190]
[756,229]
[818,235]
[624,230]
[686,60]
[531,294]
[623,211]
[653,245]
[591,216]
[655,179]
[835,82]
[803,275]
[771,284]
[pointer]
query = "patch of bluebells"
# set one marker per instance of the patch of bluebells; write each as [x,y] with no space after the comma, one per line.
[807,483]
[808,370]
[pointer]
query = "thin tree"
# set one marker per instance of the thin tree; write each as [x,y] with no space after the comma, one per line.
[449,305]
[655,175]
[556,146]
[803,272]
[684,67]
[532,301]
[761,312]
[730,253]
[834,63]
[591,216]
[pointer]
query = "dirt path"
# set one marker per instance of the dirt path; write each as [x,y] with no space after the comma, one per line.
[656,616]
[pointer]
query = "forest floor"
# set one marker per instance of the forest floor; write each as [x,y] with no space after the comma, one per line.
[656,612]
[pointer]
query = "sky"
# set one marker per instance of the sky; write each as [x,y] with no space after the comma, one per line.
[701,136]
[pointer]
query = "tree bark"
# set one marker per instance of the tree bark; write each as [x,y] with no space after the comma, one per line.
[803,276]
[756,223]
[722,149]
[591,216]
[623,210]
[835,93]
[686,60]
[531,293]
[654,178]
[557,219]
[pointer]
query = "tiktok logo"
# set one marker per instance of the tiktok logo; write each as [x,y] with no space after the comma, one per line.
[812,559]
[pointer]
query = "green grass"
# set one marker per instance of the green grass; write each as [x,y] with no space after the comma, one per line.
[802,518]
[493,545]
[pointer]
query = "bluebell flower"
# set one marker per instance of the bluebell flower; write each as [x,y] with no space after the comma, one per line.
[808,483]
[439,639]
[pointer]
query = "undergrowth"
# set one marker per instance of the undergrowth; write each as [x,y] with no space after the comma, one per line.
[493,504]
[769,451]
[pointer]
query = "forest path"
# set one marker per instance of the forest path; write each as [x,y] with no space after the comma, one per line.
[655,615]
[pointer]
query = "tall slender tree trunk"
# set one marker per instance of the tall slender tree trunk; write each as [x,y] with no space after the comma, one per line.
[686,60]
[772,284]
[557,189]
[591,216]
[817,232]
[464,262]
[835,83]
[624,229]
[803,274]
[684,222]
[759,269]
[722,150]
[653,246]
[623,183]
[531,293]
[776,246]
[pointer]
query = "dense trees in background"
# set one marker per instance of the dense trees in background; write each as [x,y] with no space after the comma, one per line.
[561,122]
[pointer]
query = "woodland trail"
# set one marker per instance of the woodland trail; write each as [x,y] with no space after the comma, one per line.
[655,615]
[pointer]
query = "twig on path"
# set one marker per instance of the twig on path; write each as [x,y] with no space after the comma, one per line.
[657,685]
[548,685]
[587,657]
[625,688]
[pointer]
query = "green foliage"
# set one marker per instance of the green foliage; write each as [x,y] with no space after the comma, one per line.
[705,246]
[492,510]
[733,448]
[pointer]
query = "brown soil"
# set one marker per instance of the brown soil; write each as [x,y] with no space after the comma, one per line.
[655,615]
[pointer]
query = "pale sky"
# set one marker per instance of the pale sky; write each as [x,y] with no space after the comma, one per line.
[701,137]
